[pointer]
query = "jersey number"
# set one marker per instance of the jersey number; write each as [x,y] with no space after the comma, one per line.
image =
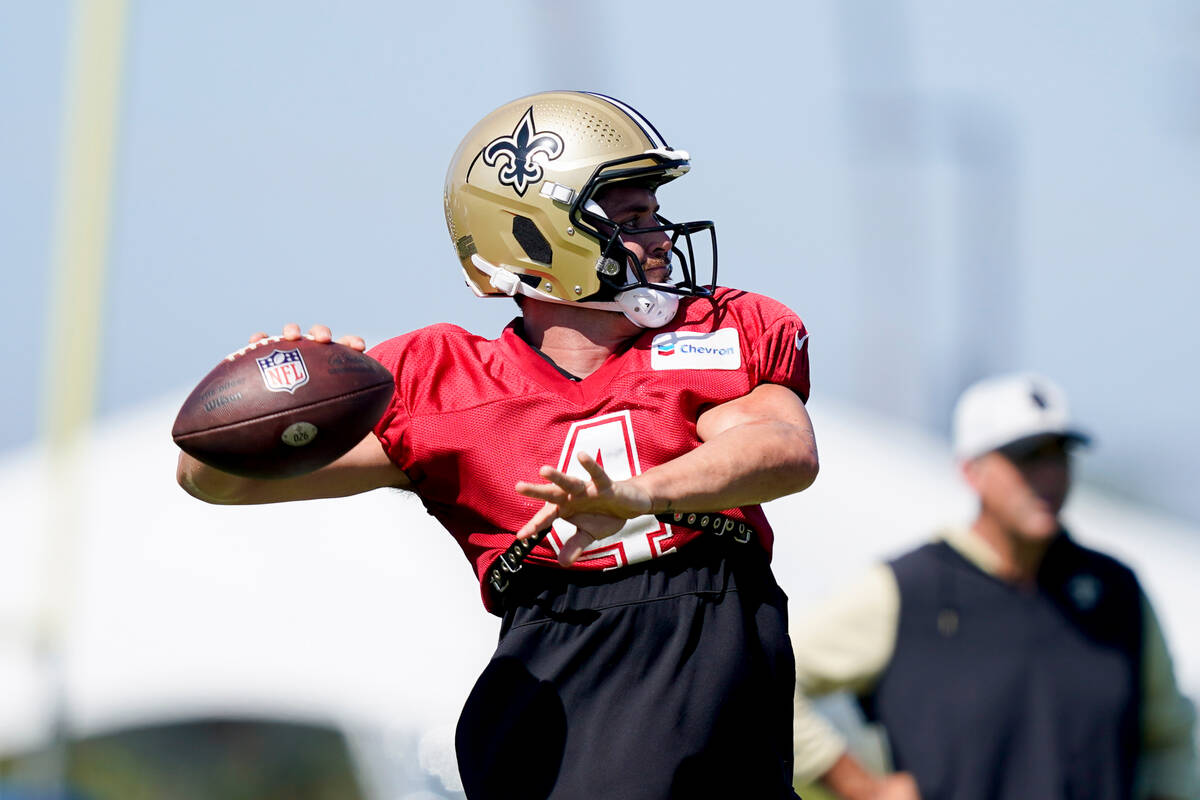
[609,439]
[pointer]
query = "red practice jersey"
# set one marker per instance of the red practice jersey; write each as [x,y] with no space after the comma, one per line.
[472,416]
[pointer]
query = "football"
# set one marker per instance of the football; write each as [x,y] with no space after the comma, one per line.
[279,408]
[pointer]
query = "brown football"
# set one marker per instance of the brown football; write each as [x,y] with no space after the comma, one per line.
[279,408]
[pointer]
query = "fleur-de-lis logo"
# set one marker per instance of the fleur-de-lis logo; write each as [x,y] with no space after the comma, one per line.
[516,152]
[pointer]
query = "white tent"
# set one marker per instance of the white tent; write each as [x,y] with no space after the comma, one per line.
[363,611]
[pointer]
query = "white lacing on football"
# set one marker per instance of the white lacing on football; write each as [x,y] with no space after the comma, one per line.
[261,342]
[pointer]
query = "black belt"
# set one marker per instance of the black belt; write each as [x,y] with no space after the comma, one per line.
[511,561]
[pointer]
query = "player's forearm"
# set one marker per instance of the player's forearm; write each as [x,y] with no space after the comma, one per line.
[751,463]
[364,468]
[209,484]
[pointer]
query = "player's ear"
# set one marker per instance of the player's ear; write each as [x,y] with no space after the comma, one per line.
[970,469]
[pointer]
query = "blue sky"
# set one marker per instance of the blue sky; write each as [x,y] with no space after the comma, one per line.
[941,191]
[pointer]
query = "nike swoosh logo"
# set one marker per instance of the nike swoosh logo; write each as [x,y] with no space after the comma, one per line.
[800,340]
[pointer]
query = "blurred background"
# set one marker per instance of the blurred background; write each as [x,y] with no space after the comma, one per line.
[941,190]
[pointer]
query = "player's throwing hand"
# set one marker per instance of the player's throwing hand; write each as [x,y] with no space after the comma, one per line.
[319,333]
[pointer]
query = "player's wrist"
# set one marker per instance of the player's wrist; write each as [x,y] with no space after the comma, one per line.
[640,497]
[663,505]
[659,507]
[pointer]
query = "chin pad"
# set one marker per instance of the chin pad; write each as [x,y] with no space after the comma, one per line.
[648,307]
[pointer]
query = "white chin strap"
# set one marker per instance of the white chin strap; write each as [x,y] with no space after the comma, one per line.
[648,307]
[644,306]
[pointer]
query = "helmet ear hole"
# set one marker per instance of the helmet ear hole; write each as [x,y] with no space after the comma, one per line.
[531,240]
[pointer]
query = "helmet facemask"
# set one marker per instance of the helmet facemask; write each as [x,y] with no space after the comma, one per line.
[614,253]
[621,272]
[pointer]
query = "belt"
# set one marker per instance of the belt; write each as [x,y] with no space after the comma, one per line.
[510,562]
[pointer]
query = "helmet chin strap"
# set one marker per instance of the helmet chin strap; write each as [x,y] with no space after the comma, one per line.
[648,307]
[644,306]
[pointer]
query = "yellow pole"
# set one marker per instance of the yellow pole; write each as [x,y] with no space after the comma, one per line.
[86,165]
[74,335]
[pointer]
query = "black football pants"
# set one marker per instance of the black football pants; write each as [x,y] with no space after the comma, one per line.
[670,679]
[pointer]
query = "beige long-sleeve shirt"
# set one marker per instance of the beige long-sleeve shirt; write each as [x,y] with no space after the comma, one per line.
[846,643]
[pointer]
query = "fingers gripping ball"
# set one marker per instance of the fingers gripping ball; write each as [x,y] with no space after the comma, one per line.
[280,408]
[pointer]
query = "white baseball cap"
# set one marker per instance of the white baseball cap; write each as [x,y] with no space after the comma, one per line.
[1006,409]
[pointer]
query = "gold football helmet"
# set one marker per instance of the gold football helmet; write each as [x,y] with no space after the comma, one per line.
[520,206]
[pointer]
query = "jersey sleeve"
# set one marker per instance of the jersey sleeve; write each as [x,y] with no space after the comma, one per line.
[394,427]
[780,355]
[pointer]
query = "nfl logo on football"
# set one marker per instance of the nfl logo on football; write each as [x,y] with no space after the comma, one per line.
[283,370]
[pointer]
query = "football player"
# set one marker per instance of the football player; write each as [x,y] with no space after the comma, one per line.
[601,464]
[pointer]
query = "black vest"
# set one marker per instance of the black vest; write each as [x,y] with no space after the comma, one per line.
[999,692]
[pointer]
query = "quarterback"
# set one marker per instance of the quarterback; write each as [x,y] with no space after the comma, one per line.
[601,464]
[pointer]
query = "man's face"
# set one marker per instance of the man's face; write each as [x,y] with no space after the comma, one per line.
[634,207]
[1023,489]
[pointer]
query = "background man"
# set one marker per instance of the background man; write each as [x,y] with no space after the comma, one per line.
[643,650]
[1003,660]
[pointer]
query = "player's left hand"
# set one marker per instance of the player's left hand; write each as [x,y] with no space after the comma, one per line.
[596,507]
